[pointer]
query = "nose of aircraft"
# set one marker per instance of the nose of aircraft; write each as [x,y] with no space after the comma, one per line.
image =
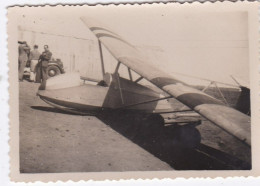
[68,92]
[61,81]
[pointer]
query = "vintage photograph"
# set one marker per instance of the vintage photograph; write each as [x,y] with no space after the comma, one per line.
[127,88]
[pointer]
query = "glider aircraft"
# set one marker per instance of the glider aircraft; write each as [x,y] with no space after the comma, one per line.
[67,91]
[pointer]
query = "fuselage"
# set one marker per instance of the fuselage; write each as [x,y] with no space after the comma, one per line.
[68,92]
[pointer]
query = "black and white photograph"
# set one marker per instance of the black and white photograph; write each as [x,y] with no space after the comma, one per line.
[152,87]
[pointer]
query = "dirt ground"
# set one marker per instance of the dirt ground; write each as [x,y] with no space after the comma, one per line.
[54,141]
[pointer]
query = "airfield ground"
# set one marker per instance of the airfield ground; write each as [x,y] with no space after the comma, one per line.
[54,141]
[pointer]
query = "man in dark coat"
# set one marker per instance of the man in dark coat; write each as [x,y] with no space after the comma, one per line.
[43,65]
[23,50]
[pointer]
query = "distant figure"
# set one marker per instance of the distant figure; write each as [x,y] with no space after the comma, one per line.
[23,50]
[43,65]
[34,58]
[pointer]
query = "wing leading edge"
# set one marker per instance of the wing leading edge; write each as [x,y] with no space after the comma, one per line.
[229,119]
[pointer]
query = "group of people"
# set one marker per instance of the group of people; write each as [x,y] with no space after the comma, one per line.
[38,62]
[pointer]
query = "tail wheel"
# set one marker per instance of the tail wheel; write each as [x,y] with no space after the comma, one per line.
[53,71]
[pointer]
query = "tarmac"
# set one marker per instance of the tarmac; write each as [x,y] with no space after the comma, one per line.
[52,141]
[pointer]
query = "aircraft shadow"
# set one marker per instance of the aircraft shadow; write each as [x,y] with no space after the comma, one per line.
[167,144]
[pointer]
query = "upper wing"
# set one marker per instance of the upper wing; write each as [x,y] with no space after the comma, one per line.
[231,120]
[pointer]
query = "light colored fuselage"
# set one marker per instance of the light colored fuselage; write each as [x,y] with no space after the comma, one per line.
[69,92]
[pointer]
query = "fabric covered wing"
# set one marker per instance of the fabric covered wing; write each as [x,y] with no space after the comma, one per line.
[229,119]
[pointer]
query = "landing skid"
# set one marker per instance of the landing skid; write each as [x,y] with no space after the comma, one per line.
[69,110]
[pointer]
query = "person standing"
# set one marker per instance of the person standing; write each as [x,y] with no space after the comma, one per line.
[43,64]
[34,57]
[23,51]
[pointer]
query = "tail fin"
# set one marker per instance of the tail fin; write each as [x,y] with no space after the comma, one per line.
[243,102]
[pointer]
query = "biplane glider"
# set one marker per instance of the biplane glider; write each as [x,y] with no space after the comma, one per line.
[68,91]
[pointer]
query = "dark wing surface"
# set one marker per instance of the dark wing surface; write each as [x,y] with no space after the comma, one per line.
[227,118]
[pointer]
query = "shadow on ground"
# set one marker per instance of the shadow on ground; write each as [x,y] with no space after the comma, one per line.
[177,145]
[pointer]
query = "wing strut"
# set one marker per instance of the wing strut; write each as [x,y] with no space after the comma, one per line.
[236,81]
[130,74]
[144,102]
[139,79]
[101,58]
[219,91]
[119,86]
[117,67]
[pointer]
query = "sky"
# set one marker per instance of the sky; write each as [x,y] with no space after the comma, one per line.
[206,44]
